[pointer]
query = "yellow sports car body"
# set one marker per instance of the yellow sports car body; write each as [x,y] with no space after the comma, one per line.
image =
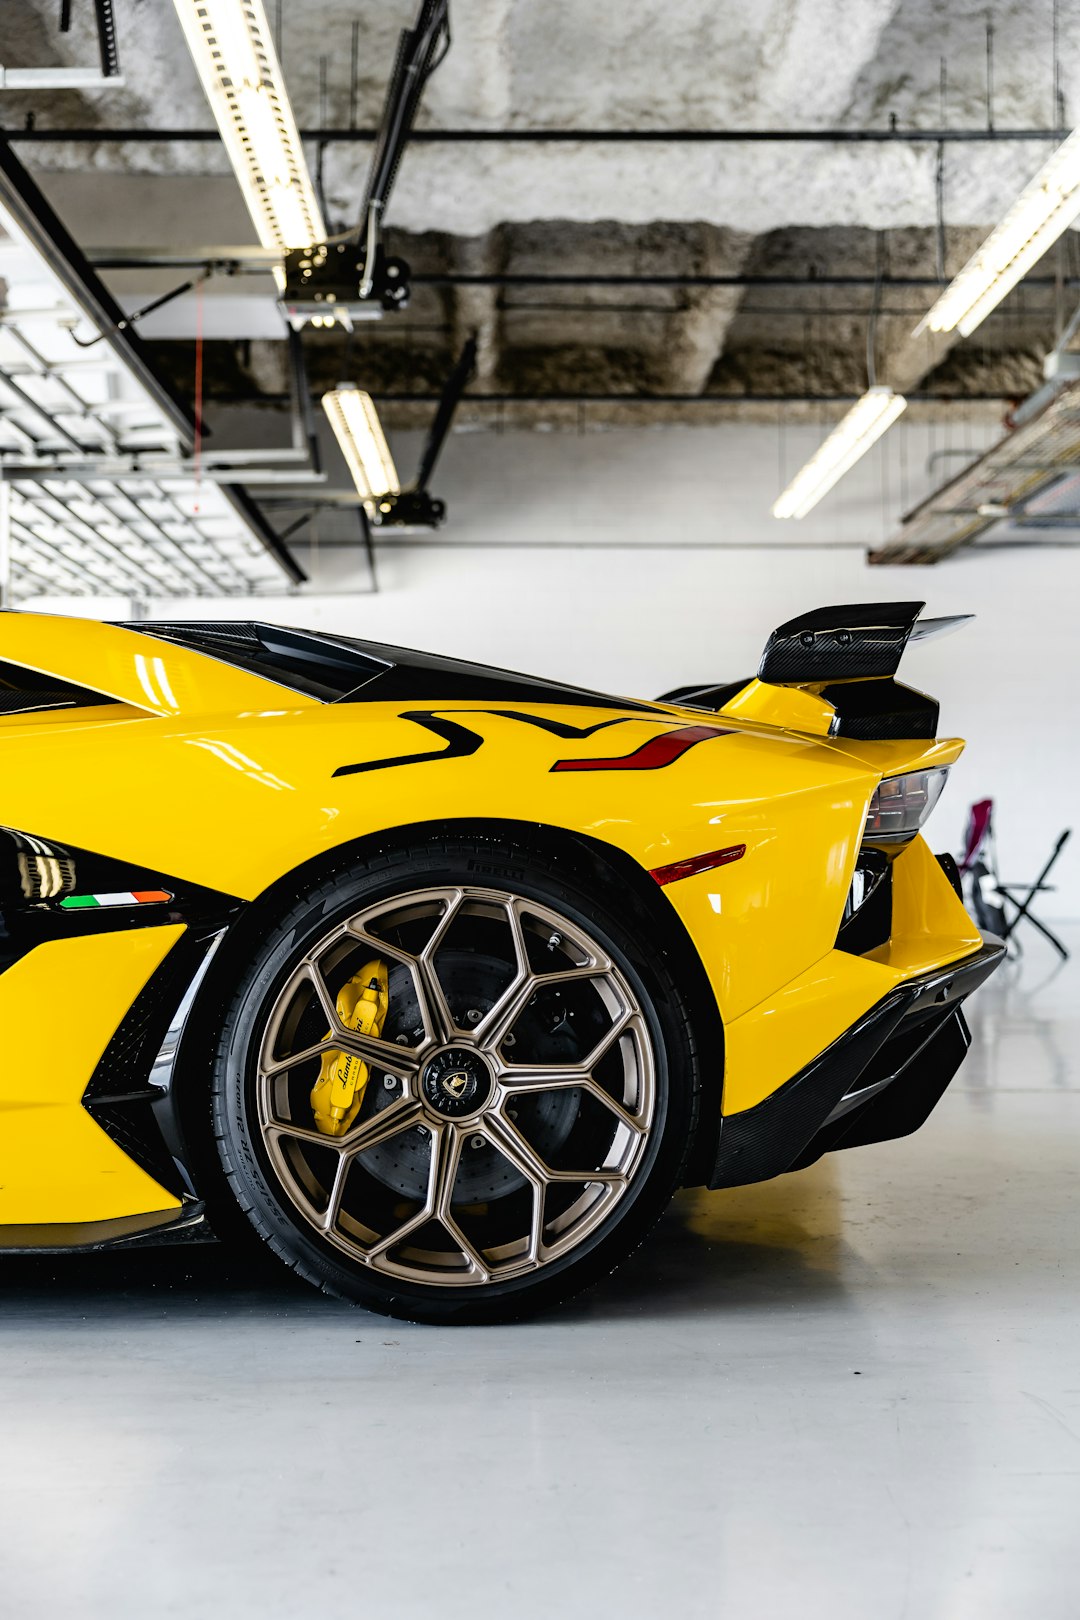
[446,977]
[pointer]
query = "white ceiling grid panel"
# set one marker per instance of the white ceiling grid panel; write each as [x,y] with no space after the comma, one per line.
[75,420]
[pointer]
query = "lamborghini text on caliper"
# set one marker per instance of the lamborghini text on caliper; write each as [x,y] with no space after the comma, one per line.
[339,1091]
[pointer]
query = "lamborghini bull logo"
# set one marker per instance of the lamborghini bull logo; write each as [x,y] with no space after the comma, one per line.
[456,1084]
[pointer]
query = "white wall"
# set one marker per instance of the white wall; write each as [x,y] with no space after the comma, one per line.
[639,559]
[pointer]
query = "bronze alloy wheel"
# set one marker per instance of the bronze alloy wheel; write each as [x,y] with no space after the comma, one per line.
[456,1081]
[510,1097]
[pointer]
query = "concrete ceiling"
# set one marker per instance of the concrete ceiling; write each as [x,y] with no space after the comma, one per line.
[750,209]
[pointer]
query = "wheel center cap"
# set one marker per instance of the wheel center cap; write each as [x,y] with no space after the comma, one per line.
[456,1082]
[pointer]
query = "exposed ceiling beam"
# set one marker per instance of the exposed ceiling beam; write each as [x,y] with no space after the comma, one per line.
[517,136]
[244,259]
[653,398]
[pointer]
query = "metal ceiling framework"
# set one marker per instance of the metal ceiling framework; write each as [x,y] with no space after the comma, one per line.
[74,78]
[130,537]
[892,135]
[95,453]
[1027,481]
[241,259]
[54,411]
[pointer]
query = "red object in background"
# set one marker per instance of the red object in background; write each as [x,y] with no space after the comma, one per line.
[978,828]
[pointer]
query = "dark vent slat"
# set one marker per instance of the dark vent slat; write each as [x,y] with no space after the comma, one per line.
[28,702]
[29,691]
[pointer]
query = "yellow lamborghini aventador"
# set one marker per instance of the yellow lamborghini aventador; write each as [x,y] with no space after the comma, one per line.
[446,977]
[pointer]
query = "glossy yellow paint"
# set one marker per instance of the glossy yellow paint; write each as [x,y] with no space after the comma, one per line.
[224,779]
[150,675]
[145,787]
[779,1036]
[108,713]
[59,1007]
[893,758]
[931,926]
[794,708]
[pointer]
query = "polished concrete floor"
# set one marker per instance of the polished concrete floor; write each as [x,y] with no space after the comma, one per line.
[850,1392]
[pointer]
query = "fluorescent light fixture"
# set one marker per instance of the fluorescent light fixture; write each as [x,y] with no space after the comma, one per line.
[1043,210]
[851,438]
[358,431]
[233,51]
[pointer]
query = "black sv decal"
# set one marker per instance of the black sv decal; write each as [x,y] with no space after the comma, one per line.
[461,742]
[559,728]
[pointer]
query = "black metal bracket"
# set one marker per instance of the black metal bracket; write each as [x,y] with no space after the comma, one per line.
[452,393]
[369,546]
[411,509]
[330,280]
[305,433]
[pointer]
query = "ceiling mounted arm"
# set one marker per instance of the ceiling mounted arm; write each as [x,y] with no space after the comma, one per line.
[355,422]
[456,384]
[349,277]
[416,507]
[420,51]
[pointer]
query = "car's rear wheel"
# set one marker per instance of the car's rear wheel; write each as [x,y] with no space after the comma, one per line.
[514,1084]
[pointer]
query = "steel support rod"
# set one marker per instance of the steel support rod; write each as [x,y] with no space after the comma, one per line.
[423,137]
[676,399]
[257,261]
[5,544]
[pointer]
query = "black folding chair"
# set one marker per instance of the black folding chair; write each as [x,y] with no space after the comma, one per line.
[1022,908]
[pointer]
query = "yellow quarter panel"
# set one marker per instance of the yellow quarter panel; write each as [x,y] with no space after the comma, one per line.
[758,921]
[59,1007]
[787,1030]
[782,1034]
[236,804]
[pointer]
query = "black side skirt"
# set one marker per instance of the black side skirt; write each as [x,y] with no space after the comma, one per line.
[184,1225]
[849,1095]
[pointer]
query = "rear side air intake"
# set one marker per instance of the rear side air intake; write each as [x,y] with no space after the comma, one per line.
[24,691]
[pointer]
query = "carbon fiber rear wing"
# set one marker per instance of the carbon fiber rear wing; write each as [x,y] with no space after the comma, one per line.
[853,642]
[846,656]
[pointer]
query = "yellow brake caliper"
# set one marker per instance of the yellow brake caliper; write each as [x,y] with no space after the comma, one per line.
[337,1094]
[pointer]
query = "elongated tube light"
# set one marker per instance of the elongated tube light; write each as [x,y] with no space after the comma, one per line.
[850,439]
[1045,208]
[233,51]
[358,431]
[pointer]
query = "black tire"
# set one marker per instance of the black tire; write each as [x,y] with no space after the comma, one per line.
[622,928]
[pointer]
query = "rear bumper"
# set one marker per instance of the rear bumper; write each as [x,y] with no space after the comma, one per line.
[879,1080]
